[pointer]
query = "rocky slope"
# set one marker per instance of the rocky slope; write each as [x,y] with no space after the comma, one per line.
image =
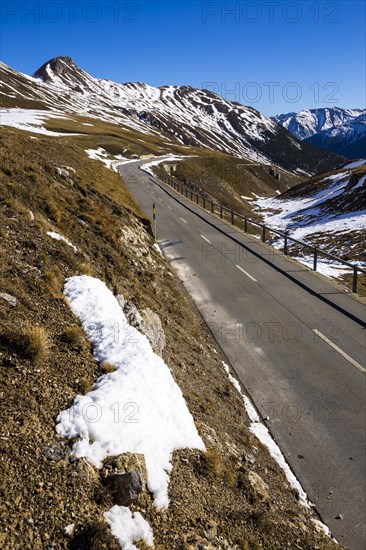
[180,114]
[233,496]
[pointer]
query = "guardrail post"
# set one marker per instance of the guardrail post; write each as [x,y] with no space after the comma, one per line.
[354,283]
[212,207]
[245,224]
[285,249]
[204,203]
[221,212]
[315,259]
[196,198]
[232,217]
[263,233]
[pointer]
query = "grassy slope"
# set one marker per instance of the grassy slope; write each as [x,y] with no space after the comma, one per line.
[226,179]
[43,369]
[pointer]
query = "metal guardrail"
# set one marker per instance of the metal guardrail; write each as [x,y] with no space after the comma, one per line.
[219,209]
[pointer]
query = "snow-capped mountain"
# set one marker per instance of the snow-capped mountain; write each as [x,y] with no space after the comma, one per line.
[334,129]
[179,114]
[346,139]
[309,122]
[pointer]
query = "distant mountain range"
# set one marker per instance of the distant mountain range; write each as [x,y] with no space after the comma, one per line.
[342,131]
[178,114]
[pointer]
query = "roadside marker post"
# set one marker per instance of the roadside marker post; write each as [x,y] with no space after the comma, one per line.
[154,220]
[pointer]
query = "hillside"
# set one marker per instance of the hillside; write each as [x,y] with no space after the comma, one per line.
[65,215]
[178,114]
[328,211]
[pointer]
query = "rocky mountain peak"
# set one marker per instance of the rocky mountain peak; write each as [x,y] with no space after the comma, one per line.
[55,67]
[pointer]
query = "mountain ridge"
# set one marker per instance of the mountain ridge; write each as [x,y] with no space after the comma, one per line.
[333,129]
[182,114]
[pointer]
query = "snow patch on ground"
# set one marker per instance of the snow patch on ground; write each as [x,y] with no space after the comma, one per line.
[325,267]
[138,408]
[102,155]
[129,527]
[147,167]
[31,120]
[59,237]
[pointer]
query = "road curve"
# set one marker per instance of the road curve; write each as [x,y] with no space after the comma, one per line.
[295,341]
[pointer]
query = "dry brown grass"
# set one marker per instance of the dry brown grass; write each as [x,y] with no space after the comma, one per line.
[73,336]
[108,368]
[36,342]
[212,463]
[86,385]
[54,282]
[85,269]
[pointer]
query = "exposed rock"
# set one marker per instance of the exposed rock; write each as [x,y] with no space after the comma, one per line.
[258,486]
[55,452]
[133,316]
[147,322]
[86,471]
[153,329]
[63,173]
[127,462]
[69,169]
[125,488]
[69,529]
[8,298]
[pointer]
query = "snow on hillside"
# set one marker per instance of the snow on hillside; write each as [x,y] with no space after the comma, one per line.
[31,120]
[129,527]
[137,408]
[181,114]
[332,207]
[110,161]
[169,158]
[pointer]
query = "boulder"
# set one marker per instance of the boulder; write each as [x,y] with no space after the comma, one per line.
[146,322]
[153,329]
[125,488]
[258,486]
[127,462]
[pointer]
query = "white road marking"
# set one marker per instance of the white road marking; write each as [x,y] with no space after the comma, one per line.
[246,273]
[345,355]
[203,237]
[183,220]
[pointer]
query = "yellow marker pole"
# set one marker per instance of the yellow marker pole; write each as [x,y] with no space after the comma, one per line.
[154,220]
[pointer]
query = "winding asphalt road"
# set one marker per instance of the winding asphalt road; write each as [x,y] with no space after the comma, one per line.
[295,341]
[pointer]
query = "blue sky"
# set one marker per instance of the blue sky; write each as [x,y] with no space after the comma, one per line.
[277,56]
